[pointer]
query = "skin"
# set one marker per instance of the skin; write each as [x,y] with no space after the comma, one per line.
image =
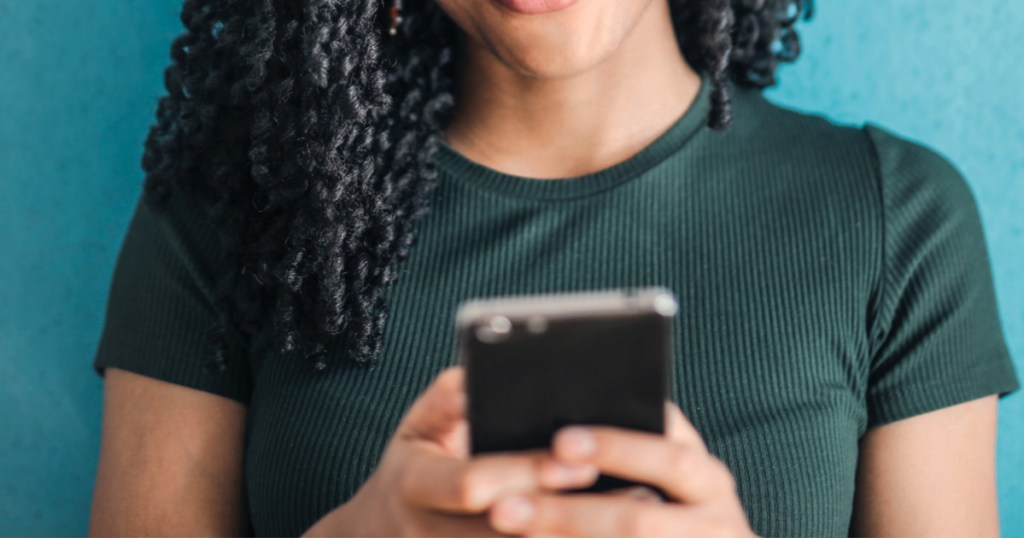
[170,461]
[932,474]
[577,90]
[427,485]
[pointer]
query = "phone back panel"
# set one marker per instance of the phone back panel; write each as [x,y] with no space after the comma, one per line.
[605,368]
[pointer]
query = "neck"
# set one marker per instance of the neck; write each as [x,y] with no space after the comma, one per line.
[576,124]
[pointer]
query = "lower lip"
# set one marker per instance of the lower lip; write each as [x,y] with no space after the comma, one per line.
[534,7]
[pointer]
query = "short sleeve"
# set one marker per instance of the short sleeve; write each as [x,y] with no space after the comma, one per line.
[937,339]
[160,304]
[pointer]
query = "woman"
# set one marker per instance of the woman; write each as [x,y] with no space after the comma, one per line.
[324,170]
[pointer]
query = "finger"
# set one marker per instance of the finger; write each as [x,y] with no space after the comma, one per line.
[429,523]
[456,442]
[438,410]
[585,515]
[686,473]
[452,485]
[678,428]
[640,493]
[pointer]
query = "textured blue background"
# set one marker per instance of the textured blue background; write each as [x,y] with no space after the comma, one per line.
[78,87]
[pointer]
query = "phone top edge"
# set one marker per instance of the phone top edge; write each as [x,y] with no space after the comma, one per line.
[657,299]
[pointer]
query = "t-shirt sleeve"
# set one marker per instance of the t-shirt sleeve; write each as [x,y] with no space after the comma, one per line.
[937,339]
[160,304]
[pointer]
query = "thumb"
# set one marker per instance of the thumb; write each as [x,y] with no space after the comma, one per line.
[439,410]
[679,429]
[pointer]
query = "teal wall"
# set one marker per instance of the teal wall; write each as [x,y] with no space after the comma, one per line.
[78,87]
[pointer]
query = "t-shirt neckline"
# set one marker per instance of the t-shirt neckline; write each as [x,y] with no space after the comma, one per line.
[456,165]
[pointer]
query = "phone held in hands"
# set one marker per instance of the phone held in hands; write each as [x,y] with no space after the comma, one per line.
[535,363]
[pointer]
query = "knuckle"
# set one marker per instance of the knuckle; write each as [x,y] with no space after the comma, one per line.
[638,522]
[684,464]
[468,485]
[631,524]
[537,462]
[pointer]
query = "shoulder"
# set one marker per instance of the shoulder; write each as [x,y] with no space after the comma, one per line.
[916,178]
[763,125]
[892,172]
[173,241]
[181,210]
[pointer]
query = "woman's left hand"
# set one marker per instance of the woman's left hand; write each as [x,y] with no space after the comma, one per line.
[704,491]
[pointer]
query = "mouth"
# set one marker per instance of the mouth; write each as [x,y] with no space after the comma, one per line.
[534,7]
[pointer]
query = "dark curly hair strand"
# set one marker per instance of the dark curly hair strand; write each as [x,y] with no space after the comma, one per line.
[309,133]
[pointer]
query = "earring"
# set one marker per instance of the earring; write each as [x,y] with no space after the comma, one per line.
[395,12]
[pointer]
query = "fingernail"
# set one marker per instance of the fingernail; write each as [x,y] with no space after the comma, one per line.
[577,441]
[643,493]
[513,513]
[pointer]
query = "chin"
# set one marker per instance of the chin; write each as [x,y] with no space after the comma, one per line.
[550,58]
[548,45]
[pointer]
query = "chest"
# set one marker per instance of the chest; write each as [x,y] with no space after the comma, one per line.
[769,363]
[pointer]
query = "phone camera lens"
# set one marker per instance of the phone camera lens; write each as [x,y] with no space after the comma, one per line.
[536,324]
[497,329]
[665,305]
[501,324]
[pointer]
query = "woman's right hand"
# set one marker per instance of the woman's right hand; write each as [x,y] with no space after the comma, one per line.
[426,484]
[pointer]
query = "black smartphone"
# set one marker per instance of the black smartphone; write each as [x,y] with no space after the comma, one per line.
[535,363]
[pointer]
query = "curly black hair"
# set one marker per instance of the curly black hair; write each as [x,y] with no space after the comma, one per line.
[309,133]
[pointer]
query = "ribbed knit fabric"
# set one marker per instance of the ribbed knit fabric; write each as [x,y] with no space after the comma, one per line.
[831,279]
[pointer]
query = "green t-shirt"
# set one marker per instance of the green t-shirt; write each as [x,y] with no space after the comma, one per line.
[831,279]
